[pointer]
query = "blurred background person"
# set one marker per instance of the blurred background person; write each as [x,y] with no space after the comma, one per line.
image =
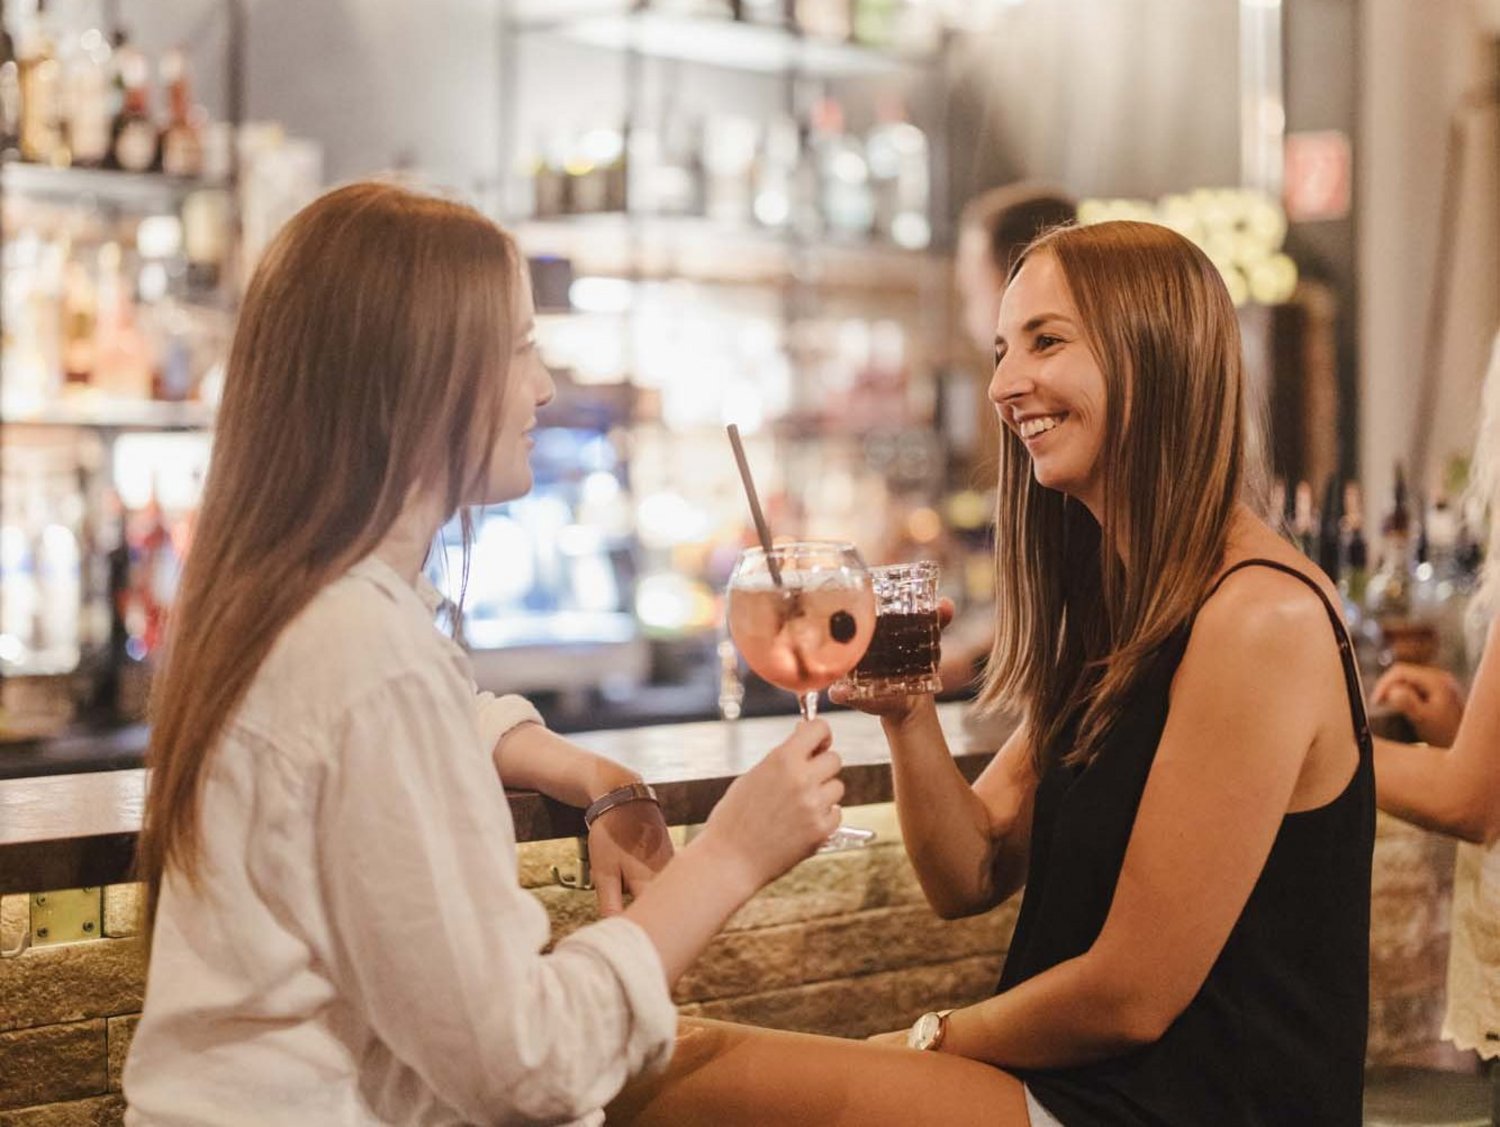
[995,227]
[1451,782]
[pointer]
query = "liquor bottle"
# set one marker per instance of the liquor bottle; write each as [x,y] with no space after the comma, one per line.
[696,9]
[144,610]
[595,168]
[920,30]
[168,329]
[80,315]
[35,280]
[1356,549]
[59,568]
[20,596]
[134,145]
[806,203]
[824,19]
[1330,545]
[1304,521]
[162,569]
[182,140]
[874,22]
[776,172]
[900,174]
[1354,582]
[123,364]
[770,13]
[105,697]
[87,100]
[1277,507]
[10,93]
[846,201]
[731,687]
[729,150]
[1388,598]
[678,181]
[207,223]
[1440,594]
[549,177]
[42,139]
[1389,590]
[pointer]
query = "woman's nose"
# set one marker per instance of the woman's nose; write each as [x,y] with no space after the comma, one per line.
[1010,381]
[546,387]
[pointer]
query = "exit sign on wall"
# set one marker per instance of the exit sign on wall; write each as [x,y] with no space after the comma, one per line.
[1318,176]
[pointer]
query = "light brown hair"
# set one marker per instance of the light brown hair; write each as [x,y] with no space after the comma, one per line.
[368,361]
[1083,605]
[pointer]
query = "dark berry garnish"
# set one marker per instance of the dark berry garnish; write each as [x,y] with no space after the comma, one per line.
[842,627]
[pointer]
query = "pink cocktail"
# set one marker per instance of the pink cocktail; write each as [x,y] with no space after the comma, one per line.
[802,615]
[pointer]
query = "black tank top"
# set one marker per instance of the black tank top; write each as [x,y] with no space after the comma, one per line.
[1276,1035]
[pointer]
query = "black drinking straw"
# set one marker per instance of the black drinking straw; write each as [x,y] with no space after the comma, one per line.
[762,529]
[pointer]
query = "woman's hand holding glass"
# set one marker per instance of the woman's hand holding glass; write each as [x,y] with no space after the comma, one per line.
[782,809]
[895,708]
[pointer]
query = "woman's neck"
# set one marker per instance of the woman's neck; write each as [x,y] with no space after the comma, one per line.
[404,548]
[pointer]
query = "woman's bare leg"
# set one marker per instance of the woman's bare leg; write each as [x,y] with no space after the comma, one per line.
[729,1075]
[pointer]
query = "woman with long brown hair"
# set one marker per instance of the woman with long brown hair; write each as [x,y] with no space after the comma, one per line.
[1188,799]
[338,932]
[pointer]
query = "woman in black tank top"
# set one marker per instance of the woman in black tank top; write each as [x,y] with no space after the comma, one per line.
[1188,800]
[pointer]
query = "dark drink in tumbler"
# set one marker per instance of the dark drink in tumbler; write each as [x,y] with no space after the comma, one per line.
[902,657]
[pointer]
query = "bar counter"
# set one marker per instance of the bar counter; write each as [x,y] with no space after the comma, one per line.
[844,944]
[77,830]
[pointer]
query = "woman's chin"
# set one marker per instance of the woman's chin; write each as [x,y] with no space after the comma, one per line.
[499,492]
[1081,489]
[1051,477]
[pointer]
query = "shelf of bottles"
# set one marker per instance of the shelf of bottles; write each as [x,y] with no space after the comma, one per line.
[735,199]
[824,38]
[773,267]
[116,308]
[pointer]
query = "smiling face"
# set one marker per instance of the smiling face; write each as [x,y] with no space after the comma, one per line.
[528,386]
[1048,385]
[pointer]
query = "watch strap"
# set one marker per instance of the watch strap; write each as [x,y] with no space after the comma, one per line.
[630,792]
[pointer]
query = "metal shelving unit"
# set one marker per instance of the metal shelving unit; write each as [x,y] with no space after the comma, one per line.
[114,192]
[642,247]
[800,277]
[717,43]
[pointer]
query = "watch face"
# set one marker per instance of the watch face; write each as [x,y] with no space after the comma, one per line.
[925,1031]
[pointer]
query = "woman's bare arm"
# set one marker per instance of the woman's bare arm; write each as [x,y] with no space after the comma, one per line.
[968,844]
[1452,790]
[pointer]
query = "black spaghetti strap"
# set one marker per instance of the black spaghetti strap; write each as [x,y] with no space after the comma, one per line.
[1341,634]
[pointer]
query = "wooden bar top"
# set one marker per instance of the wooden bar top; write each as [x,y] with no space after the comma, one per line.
[72,831]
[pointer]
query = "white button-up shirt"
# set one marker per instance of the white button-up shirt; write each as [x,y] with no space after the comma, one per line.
[359,949]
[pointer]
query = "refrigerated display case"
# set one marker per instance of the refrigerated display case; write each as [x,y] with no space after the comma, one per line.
[548,603]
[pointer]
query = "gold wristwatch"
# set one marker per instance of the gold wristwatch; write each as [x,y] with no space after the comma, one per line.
[928,1031]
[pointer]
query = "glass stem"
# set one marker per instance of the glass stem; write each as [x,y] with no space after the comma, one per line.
[810,705]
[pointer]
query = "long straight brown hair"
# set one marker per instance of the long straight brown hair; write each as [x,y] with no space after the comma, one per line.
[1083,605]
[369,360]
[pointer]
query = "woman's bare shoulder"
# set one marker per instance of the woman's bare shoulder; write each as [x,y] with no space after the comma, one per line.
[1263,609]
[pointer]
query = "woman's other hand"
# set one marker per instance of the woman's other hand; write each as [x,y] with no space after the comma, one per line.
[1431,698]
[782,809]
[628,846]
